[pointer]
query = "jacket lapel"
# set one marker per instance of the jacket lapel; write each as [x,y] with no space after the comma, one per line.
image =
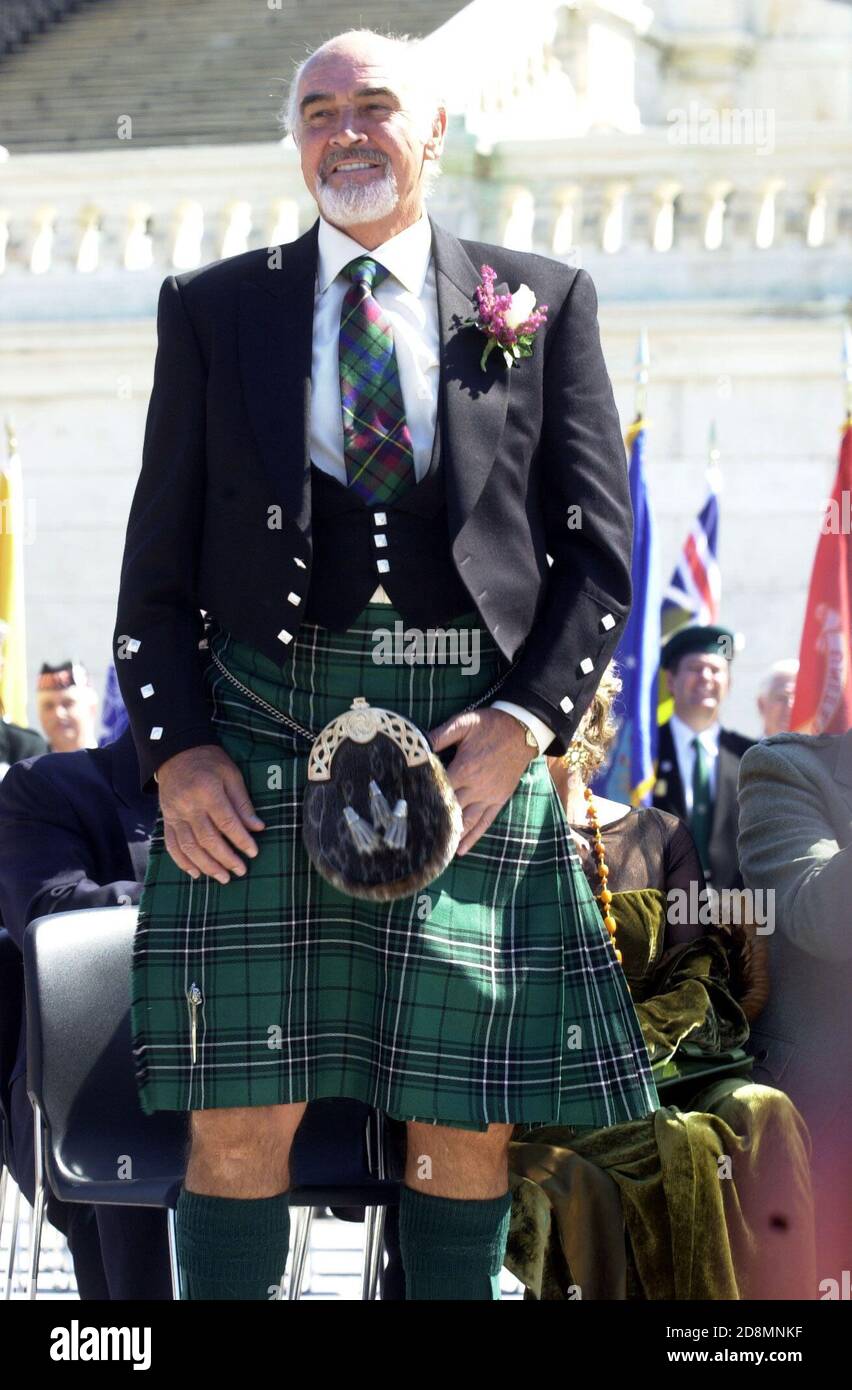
[475,401]
[668,769]
[727,773]
[275,352]
[276,319]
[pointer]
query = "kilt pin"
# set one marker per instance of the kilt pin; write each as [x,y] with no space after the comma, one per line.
[494,995]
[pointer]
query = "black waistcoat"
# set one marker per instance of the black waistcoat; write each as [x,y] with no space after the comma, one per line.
[421,578]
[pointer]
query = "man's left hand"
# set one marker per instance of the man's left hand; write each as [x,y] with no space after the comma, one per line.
[491,756]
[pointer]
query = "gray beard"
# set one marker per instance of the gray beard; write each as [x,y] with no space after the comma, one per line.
[367,202]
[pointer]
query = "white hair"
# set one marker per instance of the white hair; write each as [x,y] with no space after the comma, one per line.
[787,667]
[421,84]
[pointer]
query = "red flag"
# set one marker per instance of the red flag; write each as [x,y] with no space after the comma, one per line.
[823,703]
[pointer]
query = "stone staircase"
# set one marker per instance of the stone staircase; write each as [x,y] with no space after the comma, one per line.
[199,72]
[22,20]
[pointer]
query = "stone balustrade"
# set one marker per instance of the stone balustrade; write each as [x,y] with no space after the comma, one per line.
[601,199]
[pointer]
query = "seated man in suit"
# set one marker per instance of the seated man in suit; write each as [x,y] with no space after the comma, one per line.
[67,704]
[74,833]
[698,759]
[795,838]
[776,694]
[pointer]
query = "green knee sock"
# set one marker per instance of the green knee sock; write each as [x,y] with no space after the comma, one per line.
[228,1247]
[452,1248]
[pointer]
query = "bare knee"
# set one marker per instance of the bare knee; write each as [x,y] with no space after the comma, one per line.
[242,1152]
[458,1162]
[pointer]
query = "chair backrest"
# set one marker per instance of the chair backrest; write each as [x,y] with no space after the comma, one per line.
[101,1146]
[77,968]
[11,1012]
[344,1144]
[11,1009]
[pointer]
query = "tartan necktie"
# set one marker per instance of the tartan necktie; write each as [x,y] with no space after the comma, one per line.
[699,821]
[377,446]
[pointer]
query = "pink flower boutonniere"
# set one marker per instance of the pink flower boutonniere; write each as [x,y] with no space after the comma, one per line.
[510,321]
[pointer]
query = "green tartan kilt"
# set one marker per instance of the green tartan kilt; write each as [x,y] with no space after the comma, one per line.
[493,996]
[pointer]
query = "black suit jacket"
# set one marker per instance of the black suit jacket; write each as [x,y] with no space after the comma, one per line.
[221,516]
[17,742]
[724,869]
[74,833]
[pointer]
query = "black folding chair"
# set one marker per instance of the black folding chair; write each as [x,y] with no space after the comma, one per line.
[11,1006]
[93,1143]
[345,1154]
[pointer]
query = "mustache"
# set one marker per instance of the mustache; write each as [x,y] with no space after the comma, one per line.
[375,155]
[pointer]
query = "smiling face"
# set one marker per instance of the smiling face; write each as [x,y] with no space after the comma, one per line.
[67,717]
[698,685]
[364,138]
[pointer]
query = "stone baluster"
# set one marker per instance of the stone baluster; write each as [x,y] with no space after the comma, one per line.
[137,251]
[88,253]
[661,222]
[41,250]
[566,208]
[188,236]
[715,223]
[823,206]
[519,219]
[236,228]
[768,214]
[613,216]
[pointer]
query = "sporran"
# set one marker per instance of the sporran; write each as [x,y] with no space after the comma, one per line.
[380,819]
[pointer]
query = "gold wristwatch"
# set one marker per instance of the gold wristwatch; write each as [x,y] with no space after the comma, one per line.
[532,741]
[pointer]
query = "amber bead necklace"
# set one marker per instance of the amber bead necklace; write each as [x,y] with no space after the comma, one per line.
[603,896]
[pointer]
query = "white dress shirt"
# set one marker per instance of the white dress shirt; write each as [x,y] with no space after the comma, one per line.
[409,298]
[682,737]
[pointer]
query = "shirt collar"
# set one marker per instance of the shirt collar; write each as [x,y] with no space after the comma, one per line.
[683,736]
[405,255]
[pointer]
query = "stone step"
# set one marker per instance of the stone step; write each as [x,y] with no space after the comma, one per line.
[189,70]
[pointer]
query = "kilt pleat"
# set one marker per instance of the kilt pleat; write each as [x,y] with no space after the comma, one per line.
[492,996]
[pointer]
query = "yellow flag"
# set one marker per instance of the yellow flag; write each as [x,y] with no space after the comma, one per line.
[13,681]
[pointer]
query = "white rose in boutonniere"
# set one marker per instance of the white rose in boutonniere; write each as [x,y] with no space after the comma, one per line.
[510,321]
[522,305]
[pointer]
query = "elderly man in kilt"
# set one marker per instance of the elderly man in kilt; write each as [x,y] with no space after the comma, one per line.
[329,452]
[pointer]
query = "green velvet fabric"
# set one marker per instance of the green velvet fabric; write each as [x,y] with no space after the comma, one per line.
[709,1199]
[682,996]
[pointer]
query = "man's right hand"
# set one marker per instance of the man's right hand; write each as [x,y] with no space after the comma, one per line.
[207,812]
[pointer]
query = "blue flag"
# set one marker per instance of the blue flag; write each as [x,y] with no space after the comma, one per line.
[630,775]
[114,718]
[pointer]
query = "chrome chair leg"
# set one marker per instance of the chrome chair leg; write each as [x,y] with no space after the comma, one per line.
[300,1239]
[38,1205]
[4,1183]
[13,1246]
[174,1267]
[374,1229]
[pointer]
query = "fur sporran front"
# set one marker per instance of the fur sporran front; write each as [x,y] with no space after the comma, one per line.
[380,818]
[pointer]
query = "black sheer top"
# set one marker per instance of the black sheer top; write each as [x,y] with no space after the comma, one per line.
[648,848]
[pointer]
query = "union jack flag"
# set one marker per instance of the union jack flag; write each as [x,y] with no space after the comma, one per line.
[695,588]
[694,591]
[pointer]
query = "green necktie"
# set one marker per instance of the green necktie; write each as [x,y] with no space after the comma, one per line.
[702,811]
